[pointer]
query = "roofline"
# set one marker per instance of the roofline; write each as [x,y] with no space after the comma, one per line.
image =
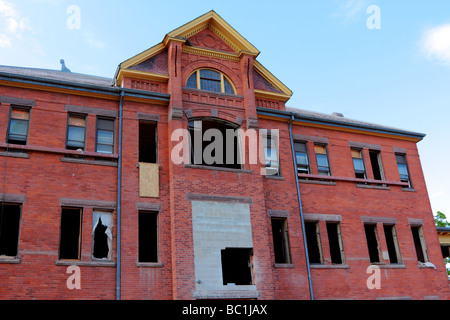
[63,84]
[317,120]
[443,229]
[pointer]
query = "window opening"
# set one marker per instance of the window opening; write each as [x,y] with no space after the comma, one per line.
[372,242]
[301,155]
[403,169]
[102,235]
[210,80]
[419,243]
[76,132]
[377,166]
[148,142]
[358,164]
[335,242]
[313,242]
[281,240]
[323,164]
[148,237]
[9,229]
[105,136]
[70,236]
[392,243]
[237,266]
[18,126]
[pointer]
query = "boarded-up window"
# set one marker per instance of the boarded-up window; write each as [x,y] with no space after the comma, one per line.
[70,234]
[9,229]
[102,235]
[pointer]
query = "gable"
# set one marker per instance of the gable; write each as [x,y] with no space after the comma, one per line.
[208,39]
[155,64]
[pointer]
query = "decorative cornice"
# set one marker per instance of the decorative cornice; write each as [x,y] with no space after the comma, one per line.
[211,53]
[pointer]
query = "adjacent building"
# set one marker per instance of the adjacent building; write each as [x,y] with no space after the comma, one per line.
[95,203]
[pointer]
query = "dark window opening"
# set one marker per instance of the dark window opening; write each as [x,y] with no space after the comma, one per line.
[377,167]
[358,164]
[18,126]
[148,237]
[313,242]
[237,266]
[223,148]
[70,237]
[392,243]
[102,235]
[301,155]
[419,243]
[148,142]
[335,242]
[372,242]
[445,251]
[281,240]
[9,229]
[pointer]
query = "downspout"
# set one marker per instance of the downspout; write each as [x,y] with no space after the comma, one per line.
[300,207]
[119,197]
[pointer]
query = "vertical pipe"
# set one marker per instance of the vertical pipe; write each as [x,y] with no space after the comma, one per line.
[119,197]
[301,209]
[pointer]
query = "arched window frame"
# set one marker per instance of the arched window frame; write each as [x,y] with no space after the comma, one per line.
[223,77]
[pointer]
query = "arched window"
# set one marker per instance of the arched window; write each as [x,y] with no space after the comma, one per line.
[210,80]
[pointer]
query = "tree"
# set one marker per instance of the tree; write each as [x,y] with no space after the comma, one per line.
[441,221]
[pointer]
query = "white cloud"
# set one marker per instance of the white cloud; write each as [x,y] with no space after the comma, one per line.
[12,24]
[435,43]
[92,41]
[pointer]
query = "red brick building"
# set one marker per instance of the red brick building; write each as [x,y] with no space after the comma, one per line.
[342,211]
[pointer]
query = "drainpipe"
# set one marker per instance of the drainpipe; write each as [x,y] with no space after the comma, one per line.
[119,196]
[300,206]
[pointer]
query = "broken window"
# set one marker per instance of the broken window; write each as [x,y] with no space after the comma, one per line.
[372,242]
[70,234]
[403,169]
[323,165]
[392,243]
[214,143]
[313,242]
[419,243]
[102,235]
[237,266]
[105,136]
[358,164]
[76,132]
[9,229]
[147,142]
[281,240]
[335,243]
[301,155]
[377,166]
[148,236]
[18,125]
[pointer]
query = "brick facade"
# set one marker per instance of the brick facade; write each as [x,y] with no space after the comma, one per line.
[44,177]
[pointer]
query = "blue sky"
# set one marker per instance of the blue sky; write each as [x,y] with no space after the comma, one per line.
[398,75]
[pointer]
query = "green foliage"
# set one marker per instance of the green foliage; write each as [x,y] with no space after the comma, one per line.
[441,220]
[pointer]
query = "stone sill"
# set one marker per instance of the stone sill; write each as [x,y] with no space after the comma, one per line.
[197,166]
[99,263]
[329,266]
[150,264]
[9,260]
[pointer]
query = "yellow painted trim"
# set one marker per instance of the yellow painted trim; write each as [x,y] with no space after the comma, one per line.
[141,57]
[141,75]
[211,53]
[336,128]
[59,90]
[271,95]
[271,78]
[220,27]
